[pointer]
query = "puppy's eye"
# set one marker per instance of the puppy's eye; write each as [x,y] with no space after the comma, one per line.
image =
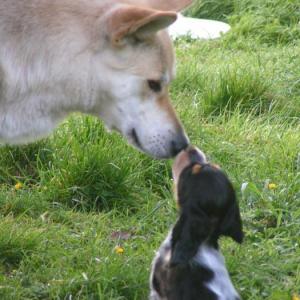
[154,85]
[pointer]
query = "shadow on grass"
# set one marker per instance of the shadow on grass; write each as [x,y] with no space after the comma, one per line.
[16,242]
[23,163]
[94,170]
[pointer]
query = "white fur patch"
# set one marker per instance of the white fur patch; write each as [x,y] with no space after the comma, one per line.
[221,284]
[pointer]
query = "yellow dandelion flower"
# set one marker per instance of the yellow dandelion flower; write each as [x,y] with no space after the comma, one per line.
[119,250]
[272,186]
[18,185]
[295,297]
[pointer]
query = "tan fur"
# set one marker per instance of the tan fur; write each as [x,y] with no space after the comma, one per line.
[92,56]
[165,104]
[176,5]
[127,20]
[196,169]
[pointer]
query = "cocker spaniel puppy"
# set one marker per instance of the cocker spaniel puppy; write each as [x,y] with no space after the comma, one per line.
[189,265]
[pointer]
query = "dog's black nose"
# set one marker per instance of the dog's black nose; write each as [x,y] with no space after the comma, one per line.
[179,144]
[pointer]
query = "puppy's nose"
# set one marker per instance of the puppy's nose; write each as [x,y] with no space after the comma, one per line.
[196,155]
[180,143]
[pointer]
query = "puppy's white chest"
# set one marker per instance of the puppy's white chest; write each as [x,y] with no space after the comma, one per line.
[220,284]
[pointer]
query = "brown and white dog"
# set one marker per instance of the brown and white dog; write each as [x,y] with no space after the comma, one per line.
[109,58]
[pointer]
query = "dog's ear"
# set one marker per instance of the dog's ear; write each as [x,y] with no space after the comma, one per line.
[232,224]
[187,235]
[128,20]
[174,5]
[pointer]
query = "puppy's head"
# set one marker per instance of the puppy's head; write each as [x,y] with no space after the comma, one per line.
[207,203]
[138,68]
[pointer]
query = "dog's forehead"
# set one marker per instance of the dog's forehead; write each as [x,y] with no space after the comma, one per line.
[167,57]
[155,59]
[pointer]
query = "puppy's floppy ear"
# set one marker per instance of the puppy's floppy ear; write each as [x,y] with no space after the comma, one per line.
[175,5]
[189,232]
[127,20]
[232,223]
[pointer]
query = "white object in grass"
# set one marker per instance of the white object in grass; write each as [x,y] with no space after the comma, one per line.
[197,28]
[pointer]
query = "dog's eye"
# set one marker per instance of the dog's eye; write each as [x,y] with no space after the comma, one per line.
[154,85]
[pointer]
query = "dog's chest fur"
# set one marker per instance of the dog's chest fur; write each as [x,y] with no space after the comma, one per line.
[207,279]
[220,284]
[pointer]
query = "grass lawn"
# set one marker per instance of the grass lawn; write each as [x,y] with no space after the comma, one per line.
[84,191]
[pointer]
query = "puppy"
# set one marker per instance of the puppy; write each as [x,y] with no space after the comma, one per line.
[189,265]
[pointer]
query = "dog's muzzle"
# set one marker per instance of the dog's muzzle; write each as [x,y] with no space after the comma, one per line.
[179,144]
[160,148]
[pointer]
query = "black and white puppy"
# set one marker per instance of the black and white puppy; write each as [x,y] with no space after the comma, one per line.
[189,265]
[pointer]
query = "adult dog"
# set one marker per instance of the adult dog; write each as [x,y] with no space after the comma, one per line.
[109,58]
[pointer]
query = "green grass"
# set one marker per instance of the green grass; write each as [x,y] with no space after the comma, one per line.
[86,191]
[265,21]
